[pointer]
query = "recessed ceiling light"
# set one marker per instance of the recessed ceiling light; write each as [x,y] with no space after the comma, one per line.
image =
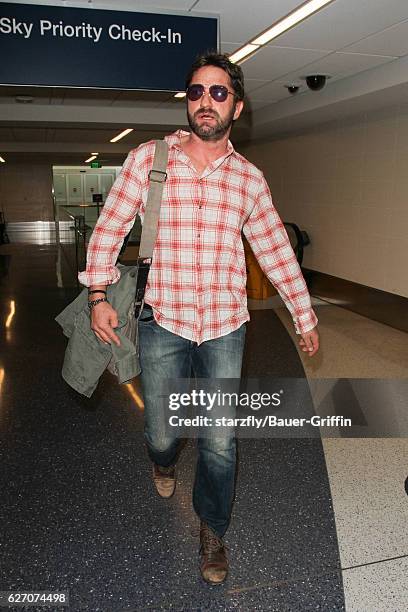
[180,94]
[244,52]
[2,160]
[121,135]
[90,159]
[282,25]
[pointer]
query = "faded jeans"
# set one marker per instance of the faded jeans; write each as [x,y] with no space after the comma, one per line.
[165,355]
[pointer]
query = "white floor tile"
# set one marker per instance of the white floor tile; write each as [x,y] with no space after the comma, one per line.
[370,503]
[382,587]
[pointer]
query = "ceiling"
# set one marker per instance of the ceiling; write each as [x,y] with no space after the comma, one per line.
[362,45]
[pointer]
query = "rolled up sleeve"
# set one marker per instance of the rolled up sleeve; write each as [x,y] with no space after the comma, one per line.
[269,241]
[114,223]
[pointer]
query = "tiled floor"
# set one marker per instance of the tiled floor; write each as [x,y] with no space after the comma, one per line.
[371,510]
[367,475]
[79,513]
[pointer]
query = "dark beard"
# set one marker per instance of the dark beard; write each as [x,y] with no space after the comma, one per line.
[211,132]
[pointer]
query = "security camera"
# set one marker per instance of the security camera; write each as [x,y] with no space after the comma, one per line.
[315,82]
[292,89]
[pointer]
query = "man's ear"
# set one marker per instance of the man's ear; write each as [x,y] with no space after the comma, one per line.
[238,109]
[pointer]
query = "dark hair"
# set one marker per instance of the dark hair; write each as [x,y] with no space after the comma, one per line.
[220,60]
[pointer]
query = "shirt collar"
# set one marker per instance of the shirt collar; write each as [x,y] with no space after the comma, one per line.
[173,140]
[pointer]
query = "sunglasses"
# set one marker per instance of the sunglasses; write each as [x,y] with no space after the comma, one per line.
[219,93]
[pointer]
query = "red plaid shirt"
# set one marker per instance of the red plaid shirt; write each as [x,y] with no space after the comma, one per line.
[197,281]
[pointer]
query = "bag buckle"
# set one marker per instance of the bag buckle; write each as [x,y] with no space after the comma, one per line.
[157,176]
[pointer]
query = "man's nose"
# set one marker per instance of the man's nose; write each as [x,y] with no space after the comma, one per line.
[206,99]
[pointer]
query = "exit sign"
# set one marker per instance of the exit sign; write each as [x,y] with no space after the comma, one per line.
[96,164]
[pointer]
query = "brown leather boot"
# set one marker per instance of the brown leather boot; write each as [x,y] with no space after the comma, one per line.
[214,562]
[165,480]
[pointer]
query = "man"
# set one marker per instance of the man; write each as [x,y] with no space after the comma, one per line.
[196,297]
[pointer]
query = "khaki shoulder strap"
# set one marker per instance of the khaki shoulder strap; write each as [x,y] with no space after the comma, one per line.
[157,177]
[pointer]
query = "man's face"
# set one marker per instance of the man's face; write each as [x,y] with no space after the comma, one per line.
[208,119]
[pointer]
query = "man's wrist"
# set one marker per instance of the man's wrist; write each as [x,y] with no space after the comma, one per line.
[97,289]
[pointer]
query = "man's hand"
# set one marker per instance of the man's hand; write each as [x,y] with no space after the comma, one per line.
[309,342]
[103,320]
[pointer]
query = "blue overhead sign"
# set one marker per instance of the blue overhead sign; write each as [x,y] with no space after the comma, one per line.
[72,47]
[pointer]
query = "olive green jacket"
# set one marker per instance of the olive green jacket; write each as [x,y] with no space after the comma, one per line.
[87,357]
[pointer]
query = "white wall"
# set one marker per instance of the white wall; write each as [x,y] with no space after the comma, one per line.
[347,185]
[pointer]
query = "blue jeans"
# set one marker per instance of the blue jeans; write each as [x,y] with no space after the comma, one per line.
[165,355]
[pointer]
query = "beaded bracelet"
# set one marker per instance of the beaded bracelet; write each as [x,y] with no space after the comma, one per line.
[93,303]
